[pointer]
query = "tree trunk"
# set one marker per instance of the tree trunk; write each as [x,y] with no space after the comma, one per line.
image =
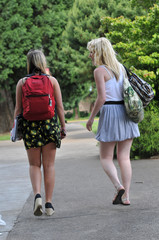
[6,111]
[76,113]
[91,106]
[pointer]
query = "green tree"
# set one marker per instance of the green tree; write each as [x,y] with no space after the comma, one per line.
[117,8]
[146,4]
[137,43]
[84,22]
[25,25]
[15,40]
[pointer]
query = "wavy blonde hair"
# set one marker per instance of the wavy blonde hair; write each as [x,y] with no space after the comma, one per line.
[36,61]
[104,54]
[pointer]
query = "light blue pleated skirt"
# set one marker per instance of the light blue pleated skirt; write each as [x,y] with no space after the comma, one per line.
[114,124]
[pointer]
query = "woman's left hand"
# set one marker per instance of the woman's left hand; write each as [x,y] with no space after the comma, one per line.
[89,124]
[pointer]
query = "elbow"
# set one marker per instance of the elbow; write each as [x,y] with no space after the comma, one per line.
[102,98]
[60,108]
[103,101]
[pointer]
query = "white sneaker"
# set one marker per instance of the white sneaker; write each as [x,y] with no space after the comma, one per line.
[38,205]
[49,209]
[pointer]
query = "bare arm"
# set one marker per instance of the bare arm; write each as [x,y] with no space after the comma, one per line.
[100,84]
[18,106]
[58,99]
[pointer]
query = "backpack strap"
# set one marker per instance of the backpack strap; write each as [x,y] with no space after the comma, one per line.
[24,79]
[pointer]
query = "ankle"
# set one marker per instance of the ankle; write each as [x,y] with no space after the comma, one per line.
[48,205]
[119,186]
[125,196]
[37,195]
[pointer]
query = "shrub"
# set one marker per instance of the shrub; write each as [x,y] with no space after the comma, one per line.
[148,143]
[84,114]
[68,115]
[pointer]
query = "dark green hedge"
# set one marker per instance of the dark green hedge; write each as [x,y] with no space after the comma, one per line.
[147,144]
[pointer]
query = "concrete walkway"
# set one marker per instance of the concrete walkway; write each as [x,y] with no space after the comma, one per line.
[82,196]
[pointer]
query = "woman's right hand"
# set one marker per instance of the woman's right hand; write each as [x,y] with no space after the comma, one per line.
[63,133]
[89,124]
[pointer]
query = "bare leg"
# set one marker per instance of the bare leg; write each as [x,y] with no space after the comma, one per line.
[48,158]
[34,156]
[123,156]
[106,158]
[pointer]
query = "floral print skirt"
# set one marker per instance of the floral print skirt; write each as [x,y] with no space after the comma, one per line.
[40,133]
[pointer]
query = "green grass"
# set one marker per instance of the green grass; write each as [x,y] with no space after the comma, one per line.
[76,120]
[4,137]
[94,126]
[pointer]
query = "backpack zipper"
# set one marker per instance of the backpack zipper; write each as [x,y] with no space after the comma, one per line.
[42,95]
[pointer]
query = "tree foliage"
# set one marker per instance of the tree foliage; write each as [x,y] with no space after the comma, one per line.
[146,4]
[76,74]
[84,20]
[41,24]
[26,25]
[137,42]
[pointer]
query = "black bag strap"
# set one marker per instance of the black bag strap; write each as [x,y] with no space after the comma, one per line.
[33,74]
[127,71]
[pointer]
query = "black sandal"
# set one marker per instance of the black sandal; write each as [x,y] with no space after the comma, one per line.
[117,199]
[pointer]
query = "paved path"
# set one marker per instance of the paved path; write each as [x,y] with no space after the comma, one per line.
[82,196]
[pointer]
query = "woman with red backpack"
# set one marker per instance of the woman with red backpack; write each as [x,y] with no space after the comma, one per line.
[36,95]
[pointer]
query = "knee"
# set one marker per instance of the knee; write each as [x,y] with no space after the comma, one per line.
[48,165]
[35,164]
[106,159]
[123,159]
[123,156]
[104,162]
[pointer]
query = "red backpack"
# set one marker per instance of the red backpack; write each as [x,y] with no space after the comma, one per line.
[37,98]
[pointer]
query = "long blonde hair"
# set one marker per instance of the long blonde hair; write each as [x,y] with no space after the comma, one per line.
[36,61]
[104,54]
